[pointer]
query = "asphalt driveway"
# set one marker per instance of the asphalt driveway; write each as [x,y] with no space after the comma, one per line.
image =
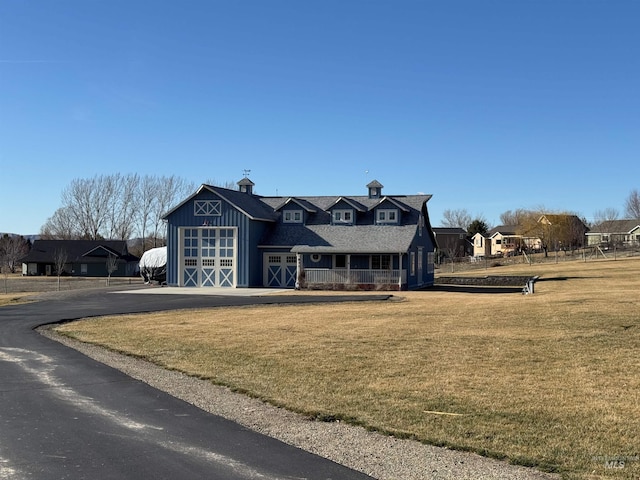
[63,415]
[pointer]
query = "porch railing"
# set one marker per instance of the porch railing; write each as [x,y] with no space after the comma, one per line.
[354,277]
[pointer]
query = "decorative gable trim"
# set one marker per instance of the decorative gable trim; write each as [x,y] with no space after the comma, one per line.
[207,208]
[301,203]
[352,203]
[393,201]
[105,250]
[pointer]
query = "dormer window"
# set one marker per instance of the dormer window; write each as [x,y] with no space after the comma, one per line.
[292,216]
[386,215]
[343,216]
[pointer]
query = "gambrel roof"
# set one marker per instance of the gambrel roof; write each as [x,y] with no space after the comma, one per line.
[318,233]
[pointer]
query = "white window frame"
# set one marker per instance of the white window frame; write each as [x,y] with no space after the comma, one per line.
[387,215]
[292,216]
[412,264]
[340,215]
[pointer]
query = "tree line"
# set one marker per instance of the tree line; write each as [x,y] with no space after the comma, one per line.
[117,207]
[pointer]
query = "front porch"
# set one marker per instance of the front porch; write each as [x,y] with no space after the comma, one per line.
[352,279]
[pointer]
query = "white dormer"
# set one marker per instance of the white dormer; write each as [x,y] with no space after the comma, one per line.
[344,210]
[388,211]
[295,210]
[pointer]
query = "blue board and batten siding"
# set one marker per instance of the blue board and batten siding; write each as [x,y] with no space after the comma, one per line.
[274,236]
[248,265]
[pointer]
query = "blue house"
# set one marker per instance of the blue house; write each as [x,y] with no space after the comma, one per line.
[220,237]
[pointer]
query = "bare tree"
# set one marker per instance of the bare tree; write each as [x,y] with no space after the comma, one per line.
[170,191]
[515,217]
[60,226]
[123,205]
[632,205]
[89,200]
[112,266]
[60,257]
[12,249]
[453,249]
[116,207]
[606,220]
[147,189]
[460,218]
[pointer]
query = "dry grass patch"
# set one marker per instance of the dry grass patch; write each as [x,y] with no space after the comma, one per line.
[13,298]
[549,380]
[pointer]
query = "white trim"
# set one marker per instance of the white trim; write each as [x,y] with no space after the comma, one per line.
[384,215]
[342,213]
[289,216]
[199,263]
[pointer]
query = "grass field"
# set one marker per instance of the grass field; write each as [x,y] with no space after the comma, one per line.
[550,380]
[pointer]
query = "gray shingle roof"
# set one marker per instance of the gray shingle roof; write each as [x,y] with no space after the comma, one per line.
[343,238]
[318,233]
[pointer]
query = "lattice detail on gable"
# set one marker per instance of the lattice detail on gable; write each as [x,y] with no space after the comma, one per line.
[207,208]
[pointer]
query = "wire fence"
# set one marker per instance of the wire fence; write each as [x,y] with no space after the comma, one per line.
[15,283]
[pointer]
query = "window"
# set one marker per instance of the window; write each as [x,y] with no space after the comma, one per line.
[292,216]
[386,215]
[381,262]
[430,262]
[343,216]
[340,261]
[412,264]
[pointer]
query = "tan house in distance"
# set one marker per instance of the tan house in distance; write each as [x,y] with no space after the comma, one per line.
[552,231]
[503,240]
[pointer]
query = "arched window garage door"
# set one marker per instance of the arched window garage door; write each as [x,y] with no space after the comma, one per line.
[208,257]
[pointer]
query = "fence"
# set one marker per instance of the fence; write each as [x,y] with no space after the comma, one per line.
[320,276]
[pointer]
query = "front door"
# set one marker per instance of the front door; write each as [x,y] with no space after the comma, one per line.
[208,257]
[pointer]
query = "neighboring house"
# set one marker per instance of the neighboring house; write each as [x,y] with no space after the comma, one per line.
[220,237]
[615,232]
[452,242]
[503,240]
[481,245]
[559,231]
[86,258]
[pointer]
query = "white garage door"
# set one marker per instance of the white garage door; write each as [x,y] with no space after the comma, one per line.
[280,270]
[208,257]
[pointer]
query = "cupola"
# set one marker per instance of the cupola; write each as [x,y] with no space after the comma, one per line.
[246,186]
[375,189]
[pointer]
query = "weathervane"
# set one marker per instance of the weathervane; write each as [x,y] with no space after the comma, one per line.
[246,173]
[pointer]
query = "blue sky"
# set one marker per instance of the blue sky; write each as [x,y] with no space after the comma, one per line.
[487,105]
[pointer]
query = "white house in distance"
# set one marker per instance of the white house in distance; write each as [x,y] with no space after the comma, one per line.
[615,232]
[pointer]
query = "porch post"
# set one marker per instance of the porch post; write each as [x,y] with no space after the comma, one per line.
[400,271]
[349,267]
[298,270]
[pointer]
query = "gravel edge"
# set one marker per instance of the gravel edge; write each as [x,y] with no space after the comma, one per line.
[380,456]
